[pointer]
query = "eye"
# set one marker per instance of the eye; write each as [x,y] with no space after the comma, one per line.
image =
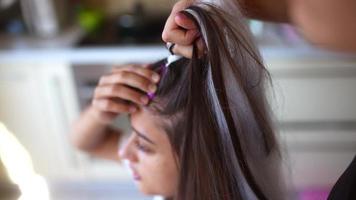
[142,147]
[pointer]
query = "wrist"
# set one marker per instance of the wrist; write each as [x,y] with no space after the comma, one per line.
[96,118]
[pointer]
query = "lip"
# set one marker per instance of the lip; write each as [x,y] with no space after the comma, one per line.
[135,175]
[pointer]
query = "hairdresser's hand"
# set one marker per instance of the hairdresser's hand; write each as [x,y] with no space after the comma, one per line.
[122,91]
[182,31]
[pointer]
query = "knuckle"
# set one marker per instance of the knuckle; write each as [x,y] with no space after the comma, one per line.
[102,80]
[106,104]
[94,103]
[99,91]
[96,92]
[117,78]
[120,75]
[113,89]
[165,36]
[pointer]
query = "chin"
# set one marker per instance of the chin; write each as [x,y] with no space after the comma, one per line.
[145,190]
[150,191]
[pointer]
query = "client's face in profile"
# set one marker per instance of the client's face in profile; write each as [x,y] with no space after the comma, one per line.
[150,155]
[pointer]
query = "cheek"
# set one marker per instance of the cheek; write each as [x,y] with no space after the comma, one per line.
[159,174]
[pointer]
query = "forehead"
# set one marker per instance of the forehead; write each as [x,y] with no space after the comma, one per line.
[149,124]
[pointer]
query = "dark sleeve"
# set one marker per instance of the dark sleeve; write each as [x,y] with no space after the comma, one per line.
[345,187]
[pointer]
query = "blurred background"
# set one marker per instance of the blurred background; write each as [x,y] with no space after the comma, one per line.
[52,53]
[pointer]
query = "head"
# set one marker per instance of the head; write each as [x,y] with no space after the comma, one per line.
[207,130]
[149,150]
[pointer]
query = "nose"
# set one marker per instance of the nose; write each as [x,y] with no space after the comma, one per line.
[127,151]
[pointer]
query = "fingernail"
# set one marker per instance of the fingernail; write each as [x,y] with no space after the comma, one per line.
[133,109]
[155,77]
[152,88]
[144,99]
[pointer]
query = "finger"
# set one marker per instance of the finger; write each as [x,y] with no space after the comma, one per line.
[172,32]
[109,105]
[185,22]
[145,72]
[130,79]
[142,70]
[122,92]
[168,27]
[179,35]
[183,50]
[187,50]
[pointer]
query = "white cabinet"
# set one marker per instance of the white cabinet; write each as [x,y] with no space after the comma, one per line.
[315,103]
[37,102]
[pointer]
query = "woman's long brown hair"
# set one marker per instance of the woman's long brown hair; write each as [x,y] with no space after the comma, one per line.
[217,117]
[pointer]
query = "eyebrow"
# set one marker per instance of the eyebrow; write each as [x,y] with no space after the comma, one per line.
[143,136]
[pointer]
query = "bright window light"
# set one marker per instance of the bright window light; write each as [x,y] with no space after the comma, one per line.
[19,167]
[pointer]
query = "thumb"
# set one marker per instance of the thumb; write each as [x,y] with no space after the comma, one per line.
[185,22]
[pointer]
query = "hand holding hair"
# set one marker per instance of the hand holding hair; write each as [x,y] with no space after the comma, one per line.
[183,32]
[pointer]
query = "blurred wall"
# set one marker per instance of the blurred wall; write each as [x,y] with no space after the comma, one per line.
[114,7]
